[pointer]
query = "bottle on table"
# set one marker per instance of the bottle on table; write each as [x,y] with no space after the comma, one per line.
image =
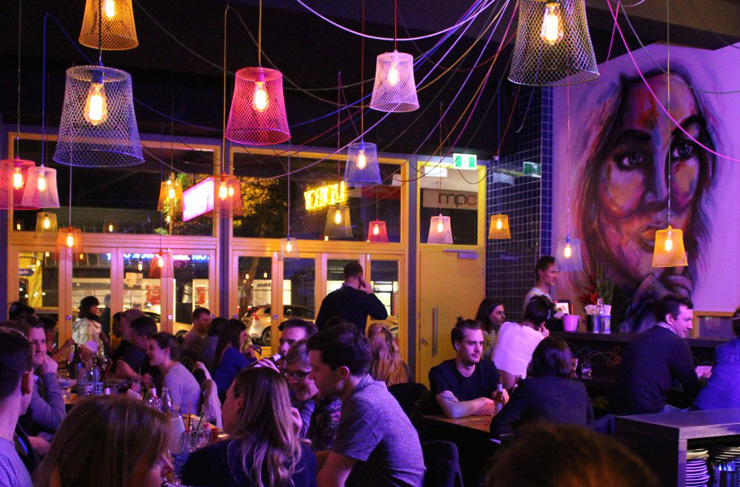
[499,399]
[605,321]
[167,402]
[154,401]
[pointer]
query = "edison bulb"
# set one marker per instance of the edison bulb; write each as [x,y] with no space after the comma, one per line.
[376,229]
[82,256]
[264,275]
[393,75]
[552,24]
[96,105]
[440,227]
[70,240]
[288,246]
[260,96]
[17,178]
[140,266]
[171,193]
[110,228]
[46,223]
[231,191]
[110,9]
[361,159]
[42,182]
[338,216]
[499,224]
[160,261]
[668,244]
[568,251]
[223,191]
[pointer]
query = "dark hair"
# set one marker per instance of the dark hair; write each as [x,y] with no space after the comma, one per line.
[307,326]
[229,337]
[551,357]
[199,311]
[736,322]
[49,324]
[671,304]
[17,308]
[352,269]
[144,326]
[167,340]
[538,310]
[567,456]
[485,309]
[543,264]
[342,345]
[85,305]
[457,334]
[29,321]
[16,358]
[298,353]
[216,326]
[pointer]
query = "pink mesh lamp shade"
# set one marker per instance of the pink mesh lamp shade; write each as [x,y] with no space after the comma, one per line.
[440,230]
[395,88]
[257,115]
[18,186]
[116,32]
[98,126]
[228,194]
[377,232]
[46,182]
[362,167]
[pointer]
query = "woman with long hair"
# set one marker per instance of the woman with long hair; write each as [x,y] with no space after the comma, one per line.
[163,353]
[263,449]
[491,316]
[108,442]
[228,359]
[548,393]
[386,364]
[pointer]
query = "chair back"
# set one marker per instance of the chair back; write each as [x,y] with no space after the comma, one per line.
[442,461]
[407,395]
[210,403]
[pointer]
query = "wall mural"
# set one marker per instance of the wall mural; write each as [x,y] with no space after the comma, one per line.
[620,146]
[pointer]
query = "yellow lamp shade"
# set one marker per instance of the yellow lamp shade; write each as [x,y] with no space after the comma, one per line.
[117,30]
[669,250]
[440,230]
[69,241]
[499,229]
[338,224]
[46,224]
[170,195]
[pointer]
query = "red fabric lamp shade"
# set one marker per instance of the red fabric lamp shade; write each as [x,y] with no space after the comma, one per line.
[257,115]
[377,232]
[228,195]
[18,185]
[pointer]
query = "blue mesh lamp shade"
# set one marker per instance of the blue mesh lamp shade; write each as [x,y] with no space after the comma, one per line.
[338,224]
[98,126]
[568,254]
[440,230]
[257,115]
[395,88]
[18,185]
[116,32]
[46,182]
[362,167]
[377,232]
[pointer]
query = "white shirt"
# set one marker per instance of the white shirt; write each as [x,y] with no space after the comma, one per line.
[514,348]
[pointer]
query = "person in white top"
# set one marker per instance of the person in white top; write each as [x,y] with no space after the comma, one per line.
[87,328]
[516,342]
[547,274]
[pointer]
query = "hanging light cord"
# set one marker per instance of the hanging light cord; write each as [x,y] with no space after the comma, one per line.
[69,209]
[223,107]
[100,32]
[395,26]
[567,114]
[18,119]
[289,191]
[362,76]
[668,100]
[339,124]
[259,37]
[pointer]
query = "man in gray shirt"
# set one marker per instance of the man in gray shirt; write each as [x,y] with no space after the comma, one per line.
[375,443]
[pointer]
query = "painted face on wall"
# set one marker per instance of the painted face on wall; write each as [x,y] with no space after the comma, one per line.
[633,180]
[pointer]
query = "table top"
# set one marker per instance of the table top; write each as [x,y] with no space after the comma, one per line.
[477,423]
[684,424]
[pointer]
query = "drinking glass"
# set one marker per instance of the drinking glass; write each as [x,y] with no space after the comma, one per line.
[585,369]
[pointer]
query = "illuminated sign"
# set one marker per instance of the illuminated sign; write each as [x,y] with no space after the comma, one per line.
[198,199]
[458,200]
[465,161]
[321,197]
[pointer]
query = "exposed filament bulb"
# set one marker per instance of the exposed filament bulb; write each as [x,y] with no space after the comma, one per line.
[17,178]
[361,159]
[568,251]
[499,224]
[338,216]
[440,227]
[223,191]
[376,229]
[289,246]
[46,223]
[110,9]
[42,182]
[260,96]
[393,75]
[552,24]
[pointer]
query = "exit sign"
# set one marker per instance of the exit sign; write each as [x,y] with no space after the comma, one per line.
[465,161]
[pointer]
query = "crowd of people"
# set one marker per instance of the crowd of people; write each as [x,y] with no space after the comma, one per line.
[327,409]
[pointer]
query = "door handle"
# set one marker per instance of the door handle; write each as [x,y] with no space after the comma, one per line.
[424,342]
[435,331]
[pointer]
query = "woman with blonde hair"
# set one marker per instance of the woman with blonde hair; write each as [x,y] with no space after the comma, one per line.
[263,449]
[386,364]
[108,442]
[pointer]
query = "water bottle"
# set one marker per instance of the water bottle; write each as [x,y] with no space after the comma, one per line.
[154,402]
[605,321]
[167,402]
[81,379]
[500,399]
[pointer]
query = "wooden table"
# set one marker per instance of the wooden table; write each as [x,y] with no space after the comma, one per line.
[475,425]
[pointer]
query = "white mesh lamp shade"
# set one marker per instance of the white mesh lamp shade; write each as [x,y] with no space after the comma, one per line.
[338,224]
[228,194]
[377,232]
[288,248]
[669,249]
[98,126]
[46,224]
[568,254]
[552,46]
[395,88]
[46,182]
[114,30]
[18,186]
[257,115]
[362,167]
[440,230]
[499,229]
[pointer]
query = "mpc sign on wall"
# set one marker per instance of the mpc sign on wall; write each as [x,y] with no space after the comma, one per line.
[456,200]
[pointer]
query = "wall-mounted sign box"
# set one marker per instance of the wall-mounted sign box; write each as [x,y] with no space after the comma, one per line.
[198,199]
[468,162]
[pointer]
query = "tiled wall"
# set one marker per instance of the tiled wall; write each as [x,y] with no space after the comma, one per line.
[525,198]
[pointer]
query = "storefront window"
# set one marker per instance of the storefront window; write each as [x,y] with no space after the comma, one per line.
[299,288]
[335,273]
[452,193]
[191,286]
[141,289]
[255,285]
[384,281]
[38,280]
[91,277]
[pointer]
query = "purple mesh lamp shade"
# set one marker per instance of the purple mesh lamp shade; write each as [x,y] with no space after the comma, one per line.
[440,230]
[395,88]
[257,115]
[98,126]
[377,232]
[362,165]
[568,254]
[117,29]
[18,186]
[46,182]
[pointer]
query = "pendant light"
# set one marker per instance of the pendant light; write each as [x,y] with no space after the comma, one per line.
[395,87]
[46,224]
[377,232]
[499,229]
[338,223]
[69,239]
[257,115]
[46,177]
[288,245]
[669,250]
[170,195]
[228,194]
[116,23]
[98,126]
[552,44]
[161,265]
[440,227]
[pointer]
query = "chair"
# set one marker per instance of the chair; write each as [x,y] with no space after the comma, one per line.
[442,461]
[210,402]
[407,395]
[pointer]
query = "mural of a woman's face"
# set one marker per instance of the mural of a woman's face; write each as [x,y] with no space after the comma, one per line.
[633,179]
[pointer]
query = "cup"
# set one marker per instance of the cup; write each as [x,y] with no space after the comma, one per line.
[585,369]
[570,323]
[573,365]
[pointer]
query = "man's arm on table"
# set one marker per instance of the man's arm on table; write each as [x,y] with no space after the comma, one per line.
[335,470]
[453,408]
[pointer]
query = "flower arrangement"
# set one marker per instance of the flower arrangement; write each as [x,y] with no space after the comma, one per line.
[597,287]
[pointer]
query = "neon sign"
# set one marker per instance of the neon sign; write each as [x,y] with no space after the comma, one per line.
[323,196]
[198,199]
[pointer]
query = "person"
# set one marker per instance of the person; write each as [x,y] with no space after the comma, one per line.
[572,456]
[655,358]
[723,387]
[354,301]
[105,320]
[115,325]
[142,329]
[386,364]
[263,449]
[87,328]
[57,353]
[491,316]
[516,342]
[228,358]
[215,329]
[623,191]
[184,389]
[375,443]
[16,388]
[109,441]
[18,308]
[126,351]
[546,273]
[466,385]
[195,337]
[291,331]
[548,394]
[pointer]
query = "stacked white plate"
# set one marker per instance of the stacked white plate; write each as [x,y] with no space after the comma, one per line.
[725,453]
[697,473]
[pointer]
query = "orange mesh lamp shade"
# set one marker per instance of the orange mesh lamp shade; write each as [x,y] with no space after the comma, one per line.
[18,186]
[669,250]
[228,194]
[440,230]
[46,182]
[161,265]
[170,195]
[69,241]
[338,224]
[46,223]
[257,115]
[395,88]
[499,229]
[377,232]
[117,30]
